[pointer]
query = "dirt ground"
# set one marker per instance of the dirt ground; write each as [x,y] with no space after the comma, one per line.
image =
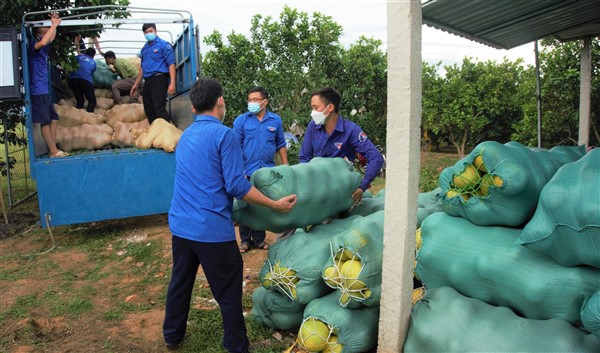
[139,331]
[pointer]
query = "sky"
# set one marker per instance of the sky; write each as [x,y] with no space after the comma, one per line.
[367,18]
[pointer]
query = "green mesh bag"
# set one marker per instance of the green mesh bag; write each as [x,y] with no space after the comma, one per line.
[275,310]
[103,76]
[500,184]
[323,188]
[354,329]
[590,314]
[294,264]
[354,264]
[369,204]
[486,264]
[445,321]
[566,223]
[428,203]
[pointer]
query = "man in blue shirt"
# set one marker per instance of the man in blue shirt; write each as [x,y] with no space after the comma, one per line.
[209,173]
[82,80]
[330,135]
[261,136]
[42,107]
[158,71]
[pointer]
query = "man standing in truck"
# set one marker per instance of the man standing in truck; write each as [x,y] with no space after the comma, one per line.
[42,107]
[158,72]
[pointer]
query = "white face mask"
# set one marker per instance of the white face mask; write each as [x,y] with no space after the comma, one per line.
[319,117]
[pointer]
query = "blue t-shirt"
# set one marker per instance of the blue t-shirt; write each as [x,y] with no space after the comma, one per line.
[86,69]
[38,69]
[345,140]
[157,56]
[208,174]
[260,139]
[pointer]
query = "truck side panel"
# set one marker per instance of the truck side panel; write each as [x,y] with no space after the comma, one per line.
[107,185]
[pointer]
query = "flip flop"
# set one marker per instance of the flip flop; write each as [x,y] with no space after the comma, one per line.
[244,247]
[263,245]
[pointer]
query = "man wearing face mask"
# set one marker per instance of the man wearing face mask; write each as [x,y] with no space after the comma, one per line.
[261,136]
[330,135]
[158,72]
[209,173]
[43,111]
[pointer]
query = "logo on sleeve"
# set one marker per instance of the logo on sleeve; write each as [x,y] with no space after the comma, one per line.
[362,137]
[338,145]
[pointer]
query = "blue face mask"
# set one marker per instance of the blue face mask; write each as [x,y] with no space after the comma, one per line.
[254,107]
[150,36]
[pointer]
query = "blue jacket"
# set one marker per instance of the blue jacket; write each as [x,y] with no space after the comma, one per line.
[209,172]
[346,139]
[260,140]
[87,67]
[156,57]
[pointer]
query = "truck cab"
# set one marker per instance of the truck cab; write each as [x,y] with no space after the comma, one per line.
[119,182]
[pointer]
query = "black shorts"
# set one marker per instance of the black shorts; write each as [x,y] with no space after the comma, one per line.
[42,109]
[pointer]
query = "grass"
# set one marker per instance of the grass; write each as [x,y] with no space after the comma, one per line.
[114,266]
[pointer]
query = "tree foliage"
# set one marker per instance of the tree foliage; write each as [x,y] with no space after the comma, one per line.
[475,101]
[295,55]
[560,76]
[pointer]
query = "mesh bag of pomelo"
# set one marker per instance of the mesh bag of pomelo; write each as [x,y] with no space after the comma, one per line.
[294,264]
[327,327]
[428,203]
[103,76]
[276,310]
[446,321]
[566,223]
[354,264]
[500,184]
[317,201]
[486,263]
[370,205]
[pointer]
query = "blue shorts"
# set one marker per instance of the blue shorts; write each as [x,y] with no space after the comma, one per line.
[42,109]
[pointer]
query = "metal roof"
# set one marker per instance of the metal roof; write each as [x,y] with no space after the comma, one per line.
[506,24]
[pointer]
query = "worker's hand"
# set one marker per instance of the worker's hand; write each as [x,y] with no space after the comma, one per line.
[55,19]
[171,90]
[357,196]
[285,204]
[133,89]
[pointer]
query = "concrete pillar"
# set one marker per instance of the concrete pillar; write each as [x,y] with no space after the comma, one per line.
[402,180]
[585,85]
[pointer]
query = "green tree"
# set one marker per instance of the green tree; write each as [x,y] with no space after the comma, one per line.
[295,55]
[474,101]
[560,76]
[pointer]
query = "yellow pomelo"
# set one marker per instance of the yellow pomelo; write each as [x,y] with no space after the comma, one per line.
[417,294]
[367,293]
[344,298]
[344,255]
[293,292]
[333,346]
[468,178]
[465,197]
[331,275]
[267,283]
[351,269]
[354,285]
[452,193]
[313,335]
[498,182]
[419,239]
[478,163]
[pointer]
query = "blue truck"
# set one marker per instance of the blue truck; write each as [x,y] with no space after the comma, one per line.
[114,183]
